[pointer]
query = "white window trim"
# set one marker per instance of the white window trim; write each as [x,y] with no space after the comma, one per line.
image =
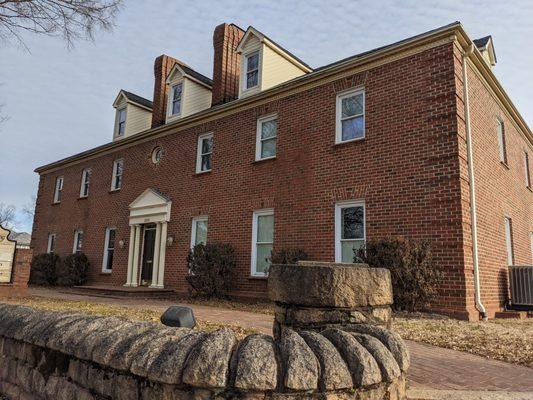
[527,171]
[338,224]
[258,140]
[76,237]
[195,220]
[49,245]
[58,189]
[338,114]
[244,63]
[502,141]
[85,178]
[117,122]
[199,153]
[256,215]
[171,85]
[106,239]
[508,224]
[114,174]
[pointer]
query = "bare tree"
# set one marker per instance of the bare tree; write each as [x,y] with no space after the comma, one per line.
[69,19]
[29,208]
[7,215]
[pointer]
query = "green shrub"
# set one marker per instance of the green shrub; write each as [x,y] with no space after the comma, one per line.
[43,269]
[414,277]
[211,269]
[72,270]
[288,256]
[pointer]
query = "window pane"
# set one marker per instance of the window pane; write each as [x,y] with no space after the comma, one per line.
[207,145]
[348,248]
[122,115]
[251,79]
[352,223]
[269,129]
[265,228]
[263,255]
[201,232]
[268,148]
[110,254]
[119,168]
[253,62]
[111,239]
[352,128]
[176,106]
[352,105]
[177,92]
[206,162]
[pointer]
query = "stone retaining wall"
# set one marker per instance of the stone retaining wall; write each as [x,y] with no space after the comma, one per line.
[18,287]
[59,355]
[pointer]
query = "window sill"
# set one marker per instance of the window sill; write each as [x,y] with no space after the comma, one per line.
[349,141]
[198,173]
[83,197]
[106,272]
[114,191]
[260,160]
[505,165]
[257,278]
[56,203]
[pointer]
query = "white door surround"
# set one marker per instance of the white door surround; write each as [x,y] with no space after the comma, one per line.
[151,207]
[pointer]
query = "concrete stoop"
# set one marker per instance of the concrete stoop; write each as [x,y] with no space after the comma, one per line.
[432,394]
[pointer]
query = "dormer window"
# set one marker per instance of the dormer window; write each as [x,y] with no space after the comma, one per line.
[252,70]
[177,91]
[121,124]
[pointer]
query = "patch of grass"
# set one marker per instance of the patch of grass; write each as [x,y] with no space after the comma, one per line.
[258,307]
[137,313]
[509,340]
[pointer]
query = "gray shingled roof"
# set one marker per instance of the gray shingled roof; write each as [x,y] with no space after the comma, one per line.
[196,75]
[482,42]
[137,99]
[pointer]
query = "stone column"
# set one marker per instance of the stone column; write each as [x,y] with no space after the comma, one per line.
[317,296]
[162,252]
[157,251]
[135,262]
[130,255]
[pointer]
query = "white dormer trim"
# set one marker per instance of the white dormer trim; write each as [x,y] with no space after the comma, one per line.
[178,69]
[251,31]
[488,50]
[122,96]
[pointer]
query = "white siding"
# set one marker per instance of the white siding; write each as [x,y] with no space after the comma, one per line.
[195,97]
[277,69]
[137,119]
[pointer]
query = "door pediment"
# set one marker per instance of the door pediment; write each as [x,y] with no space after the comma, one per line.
[149,207]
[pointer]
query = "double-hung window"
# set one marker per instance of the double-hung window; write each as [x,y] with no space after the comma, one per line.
[109,249]
[58,189]
[199,231]
[262,241]
[78,241]
[349,230]
[526,169]
[177,91]
[509,240]
[121,122]
[116,180]
[251,78]
[85,178]
[204,153]
[267,133]
[51,243]
[501,142]
[350,124]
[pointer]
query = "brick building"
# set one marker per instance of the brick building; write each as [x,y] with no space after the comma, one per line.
[416,139]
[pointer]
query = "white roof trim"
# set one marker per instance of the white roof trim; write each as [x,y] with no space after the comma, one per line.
[121,94]
[185,75]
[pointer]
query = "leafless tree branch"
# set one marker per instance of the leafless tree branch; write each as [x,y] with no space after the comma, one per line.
[7,215]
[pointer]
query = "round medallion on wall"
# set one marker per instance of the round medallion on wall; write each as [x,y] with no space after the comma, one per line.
[157,154]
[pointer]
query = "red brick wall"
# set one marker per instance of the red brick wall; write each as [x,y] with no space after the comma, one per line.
[500,192]
[162,67]
[406,170]
[20,275]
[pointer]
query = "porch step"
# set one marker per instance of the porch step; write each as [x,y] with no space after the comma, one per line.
[514,314]
[120,291]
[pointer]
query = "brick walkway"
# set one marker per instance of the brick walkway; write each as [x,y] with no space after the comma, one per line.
[431,367]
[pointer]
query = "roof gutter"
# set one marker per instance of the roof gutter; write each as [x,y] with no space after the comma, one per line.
[470,159]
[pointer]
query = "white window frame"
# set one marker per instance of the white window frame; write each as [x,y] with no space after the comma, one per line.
[51,240]
[502,142]
[338,114]
[170,102]
[195,220]
[527,170]
[255,220]
[259,140]
[508,224]
[338,225]
[77,233]
[199,153]
[58,189]
[244,74]
[114,175]
[85,182]
[117,129]
[106,248]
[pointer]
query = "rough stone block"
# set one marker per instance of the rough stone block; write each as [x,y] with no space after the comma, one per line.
[387,364]
[330,285]
[257,368]
[125,388]
[78,371]
[38,383]
[300,364]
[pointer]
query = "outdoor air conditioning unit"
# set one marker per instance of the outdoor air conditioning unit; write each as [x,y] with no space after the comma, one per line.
[521,280]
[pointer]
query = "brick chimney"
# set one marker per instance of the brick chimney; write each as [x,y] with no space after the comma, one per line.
[226,63]
[162,67]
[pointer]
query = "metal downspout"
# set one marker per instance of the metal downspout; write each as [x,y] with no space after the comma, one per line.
[470,157]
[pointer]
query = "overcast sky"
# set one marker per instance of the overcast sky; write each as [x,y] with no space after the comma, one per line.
[59,102]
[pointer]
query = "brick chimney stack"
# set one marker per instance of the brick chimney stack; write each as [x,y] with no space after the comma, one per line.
[162,67]
[226,63]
